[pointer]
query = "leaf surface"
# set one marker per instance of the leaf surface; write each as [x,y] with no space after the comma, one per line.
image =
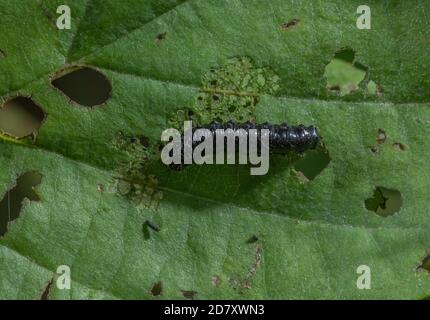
[312,236]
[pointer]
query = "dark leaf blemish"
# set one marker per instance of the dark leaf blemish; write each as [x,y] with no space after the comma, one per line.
[152,225]
[290,24]
[157,289]
[47,291]
[189,294]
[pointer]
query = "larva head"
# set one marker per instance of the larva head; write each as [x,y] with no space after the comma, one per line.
[313,136]
[306,138]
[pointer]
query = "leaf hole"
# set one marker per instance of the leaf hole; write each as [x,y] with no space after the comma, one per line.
[381,136]
[243,283]
[216,281]
[179,117]
[252,239]
[334,88]
[374,88]
[47,290]
[425,264]
[399,146]
[83,85]
[343,74]
[100,187]
[160,37]
[21,117]
[232,90]
[2,54]
[312,164]
[346,54]
[11,204]
[157,289]
[385,202]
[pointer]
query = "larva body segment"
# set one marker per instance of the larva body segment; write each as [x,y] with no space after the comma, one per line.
[282,137]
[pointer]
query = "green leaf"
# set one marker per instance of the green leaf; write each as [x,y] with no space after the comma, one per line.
[308,237]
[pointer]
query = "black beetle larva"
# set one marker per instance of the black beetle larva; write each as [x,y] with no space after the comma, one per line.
[283,138]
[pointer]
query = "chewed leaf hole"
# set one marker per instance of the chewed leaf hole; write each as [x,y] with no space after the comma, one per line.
[252,239]
[374,89]
[85,86]
[232,91]
[381,136]
[2,54]
[312,164]
[47,291]
[343,74]
[157,289]
[385,202]
[216,281]
[399,146]
[345,54]
[21,117]
[11,204]
[425,265]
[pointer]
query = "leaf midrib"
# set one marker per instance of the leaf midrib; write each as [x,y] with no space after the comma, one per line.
[255,211]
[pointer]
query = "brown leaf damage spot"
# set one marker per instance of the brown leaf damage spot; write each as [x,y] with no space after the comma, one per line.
[11,204]
[244,283]
[334,87]
[399,146]
[257,262]
[381,136]
[189,294]
[252,239]
[216,281]
[290,24]
[157,289]
[374,149]
[100,187]
[152,225]
[160,37]
[134,179]
[301,177]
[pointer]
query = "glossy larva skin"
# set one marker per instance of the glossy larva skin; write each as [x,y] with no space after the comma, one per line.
[283,138]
